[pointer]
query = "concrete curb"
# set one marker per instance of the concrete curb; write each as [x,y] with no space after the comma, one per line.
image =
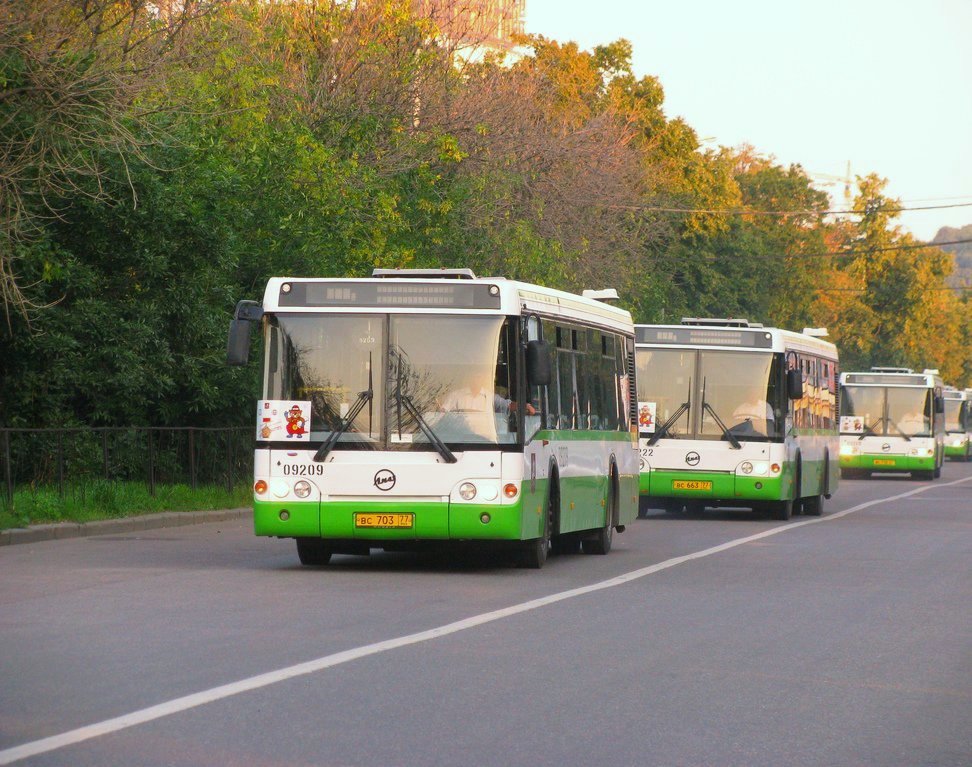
[60,530]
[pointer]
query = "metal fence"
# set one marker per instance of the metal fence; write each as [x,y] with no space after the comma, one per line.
[153,454]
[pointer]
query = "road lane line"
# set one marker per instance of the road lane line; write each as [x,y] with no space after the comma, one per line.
[178,705]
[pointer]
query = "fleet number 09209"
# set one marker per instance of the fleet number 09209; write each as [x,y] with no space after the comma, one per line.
[303,469]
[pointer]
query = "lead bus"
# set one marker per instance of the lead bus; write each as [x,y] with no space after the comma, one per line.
[424,406]
[732,413]
[892,419]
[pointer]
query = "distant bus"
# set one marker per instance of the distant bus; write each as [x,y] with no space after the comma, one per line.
[892,419]
[417,407]
[732,413]
[958,424]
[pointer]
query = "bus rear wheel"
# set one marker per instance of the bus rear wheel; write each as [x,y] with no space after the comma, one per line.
[313,551]
[600,543]
[813,506]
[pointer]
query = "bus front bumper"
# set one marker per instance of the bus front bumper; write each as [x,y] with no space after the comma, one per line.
[426,520]
[884,462]
[716,487]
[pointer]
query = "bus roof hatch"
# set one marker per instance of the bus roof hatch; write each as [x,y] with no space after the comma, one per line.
[717,322]
[426,274]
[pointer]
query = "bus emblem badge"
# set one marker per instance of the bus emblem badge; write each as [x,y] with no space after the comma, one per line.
[384,480]
[693,458]
[886,447]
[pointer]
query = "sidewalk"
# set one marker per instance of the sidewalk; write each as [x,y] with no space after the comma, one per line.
[51,532]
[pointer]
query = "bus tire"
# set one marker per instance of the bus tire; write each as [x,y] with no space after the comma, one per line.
[313,551]
[601,542]
[781,510]
[534,553]
[813,506]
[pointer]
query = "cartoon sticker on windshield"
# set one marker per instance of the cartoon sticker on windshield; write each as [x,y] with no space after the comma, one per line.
[284,419]
[646,417]
[851,424]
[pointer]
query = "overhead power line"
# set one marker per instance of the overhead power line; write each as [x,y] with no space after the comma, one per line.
[852,252]
[889,248]
[749,212]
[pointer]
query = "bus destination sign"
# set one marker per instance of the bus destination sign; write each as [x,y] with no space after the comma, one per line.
[704,336]
[411,295]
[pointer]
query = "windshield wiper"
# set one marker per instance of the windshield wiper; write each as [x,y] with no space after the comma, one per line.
[403,400]
[672,419]
[728,434]
[870,428]
[329,443]
[444,451]
[359,403]
[900,431]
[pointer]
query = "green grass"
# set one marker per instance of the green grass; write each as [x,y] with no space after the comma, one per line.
[103,499]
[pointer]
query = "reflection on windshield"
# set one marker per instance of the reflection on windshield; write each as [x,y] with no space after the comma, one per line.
[434,379]
[739,389]
[742,396]
[451,379]
[886,411]
[910,411]
[664,388]
[954,422]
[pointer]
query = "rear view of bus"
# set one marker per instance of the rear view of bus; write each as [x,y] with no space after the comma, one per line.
[958,423]
[732,413]
[412,408]
[892,419]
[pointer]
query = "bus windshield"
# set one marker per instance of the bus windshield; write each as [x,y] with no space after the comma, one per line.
[955,415]
[887,411]
[711,394]
[413,379]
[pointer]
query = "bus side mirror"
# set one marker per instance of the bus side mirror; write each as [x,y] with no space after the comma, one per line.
[538,363]
[794,383]
[238,343]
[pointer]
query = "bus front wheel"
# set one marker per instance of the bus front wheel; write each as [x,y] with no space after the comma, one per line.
[313,551]
[781,510]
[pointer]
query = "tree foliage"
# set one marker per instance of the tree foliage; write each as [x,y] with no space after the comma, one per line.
[160,161]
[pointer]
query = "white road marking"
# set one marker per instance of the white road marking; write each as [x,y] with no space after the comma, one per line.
[177,705]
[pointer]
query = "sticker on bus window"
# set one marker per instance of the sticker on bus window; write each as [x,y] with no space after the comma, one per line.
[284,419]
[646,417]
[851,424]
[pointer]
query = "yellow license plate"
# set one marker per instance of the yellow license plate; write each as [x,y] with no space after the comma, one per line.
[691,484]
[384,521]
[884,462]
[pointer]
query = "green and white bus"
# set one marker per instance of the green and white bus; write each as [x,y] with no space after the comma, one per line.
[732,413]
[958,424]
[892,419]
[423,406]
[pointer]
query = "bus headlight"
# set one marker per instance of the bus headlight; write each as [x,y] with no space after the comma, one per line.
[958,443]
[302,488]
[846,448]
[467,491]
[922,451]
[753,467]
[279,488]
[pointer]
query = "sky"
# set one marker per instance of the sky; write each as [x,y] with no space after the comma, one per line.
[885,85]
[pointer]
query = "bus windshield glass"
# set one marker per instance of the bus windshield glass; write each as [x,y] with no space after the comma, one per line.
[741,395]
[702,394]
[413,379]
[954,415]
[888,411]
[665,378]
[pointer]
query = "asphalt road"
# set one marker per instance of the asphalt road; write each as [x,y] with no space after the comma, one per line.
[711,639]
